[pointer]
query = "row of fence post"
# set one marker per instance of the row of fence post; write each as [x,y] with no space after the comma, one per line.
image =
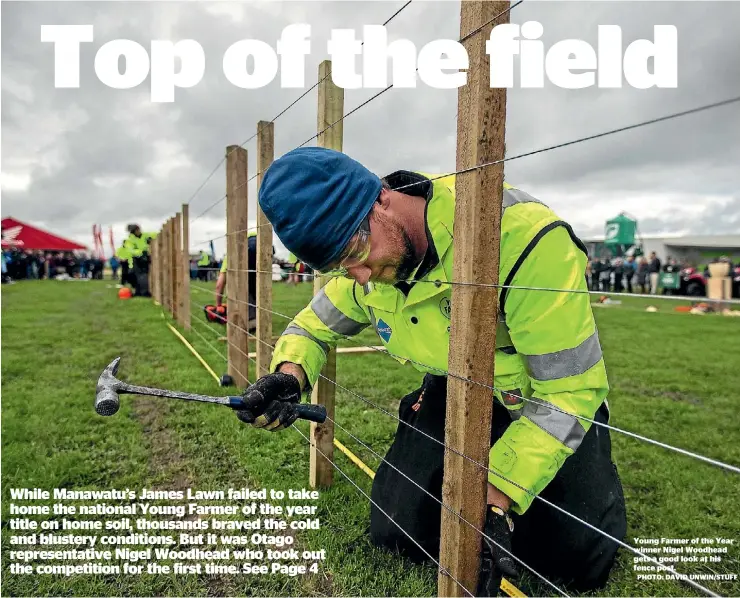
[170,272]
[480,134]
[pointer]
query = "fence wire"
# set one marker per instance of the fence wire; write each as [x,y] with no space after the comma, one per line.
[216,349]
[509,159]
[439,283]
[385,351]
[582,139]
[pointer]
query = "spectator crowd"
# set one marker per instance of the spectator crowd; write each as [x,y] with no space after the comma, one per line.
[19,264]
[629,274]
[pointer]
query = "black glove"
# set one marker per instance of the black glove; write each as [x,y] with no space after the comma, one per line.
[495,561]
[270,402]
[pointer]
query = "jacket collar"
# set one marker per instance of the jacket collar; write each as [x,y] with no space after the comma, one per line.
[439,216]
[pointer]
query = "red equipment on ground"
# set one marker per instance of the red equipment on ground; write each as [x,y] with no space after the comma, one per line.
[215,314]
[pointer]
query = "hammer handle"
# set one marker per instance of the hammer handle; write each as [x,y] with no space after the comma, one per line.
[314,413]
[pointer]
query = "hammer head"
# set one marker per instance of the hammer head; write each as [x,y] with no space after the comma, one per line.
[106,393]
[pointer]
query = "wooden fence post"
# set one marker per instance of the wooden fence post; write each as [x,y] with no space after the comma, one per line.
[160,266]
[158,242]
[236,254]
[185,274]
[171,264]
[168,265]
[176,268]
[153,273]
[480,138]
[331,110]
[265,156]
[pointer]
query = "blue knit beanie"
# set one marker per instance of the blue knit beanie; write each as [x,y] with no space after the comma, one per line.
[315,198]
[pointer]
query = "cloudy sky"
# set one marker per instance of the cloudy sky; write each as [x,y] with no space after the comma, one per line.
[74,157]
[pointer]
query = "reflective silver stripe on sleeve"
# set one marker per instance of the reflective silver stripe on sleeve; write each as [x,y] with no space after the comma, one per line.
[293,329]
[333,318]
[568,362]
[514,196]
[564,427]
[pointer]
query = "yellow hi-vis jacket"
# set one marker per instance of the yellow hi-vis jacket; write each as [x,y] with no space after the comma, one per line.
[136,247]
[123,253]
[547,345]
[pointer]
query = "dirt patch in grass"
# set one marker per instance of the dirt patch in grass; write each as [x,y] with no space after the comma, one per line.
[168,464]
[319,584]
[673,395]
[166,461]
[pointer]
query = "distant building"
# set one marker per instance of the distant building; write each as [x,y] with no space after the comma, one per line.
[694,250]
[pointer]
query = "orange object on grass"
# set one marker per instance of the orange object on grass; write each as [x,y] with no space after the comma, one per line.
[683,308]
[124,293]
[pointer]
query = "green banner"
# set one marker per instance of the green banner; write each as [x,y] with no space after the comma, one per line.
[670,280]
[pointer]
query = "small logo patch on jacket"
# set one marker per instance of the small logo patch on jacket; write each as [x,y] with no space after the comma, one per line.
[445,306]
[384,331]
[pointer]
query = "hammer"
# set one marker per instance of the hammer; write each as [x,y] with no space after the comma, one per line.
[109,387]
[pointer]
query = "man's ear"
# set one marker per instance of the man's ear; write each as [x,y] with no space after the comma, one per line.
[384,199]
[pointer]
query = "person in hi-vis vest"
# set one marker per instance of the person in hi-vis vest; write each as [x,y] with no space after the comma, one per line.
[389,245]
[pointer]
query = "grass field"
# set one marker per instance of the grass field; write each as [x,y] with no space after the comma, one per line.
[674,377]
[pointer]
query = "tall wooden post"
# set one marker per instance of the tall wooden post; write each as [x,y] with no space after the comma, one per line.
[171,264]
[177,268]
[160,266]
[153,271]
[480,138]
[167,266]
[158,242]
[331,109]
[185,274]
[265,156]
[236,254]
[154,267]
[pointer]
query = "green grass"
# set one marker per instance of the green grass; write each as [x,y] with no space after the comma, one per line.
[673,378]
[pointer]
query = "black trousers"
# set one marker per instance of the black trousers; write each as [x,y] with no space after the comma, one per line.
[562,549]
[141,277]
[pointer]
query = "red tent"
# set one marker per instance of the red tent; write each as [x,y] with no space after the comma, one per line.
[24,236]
